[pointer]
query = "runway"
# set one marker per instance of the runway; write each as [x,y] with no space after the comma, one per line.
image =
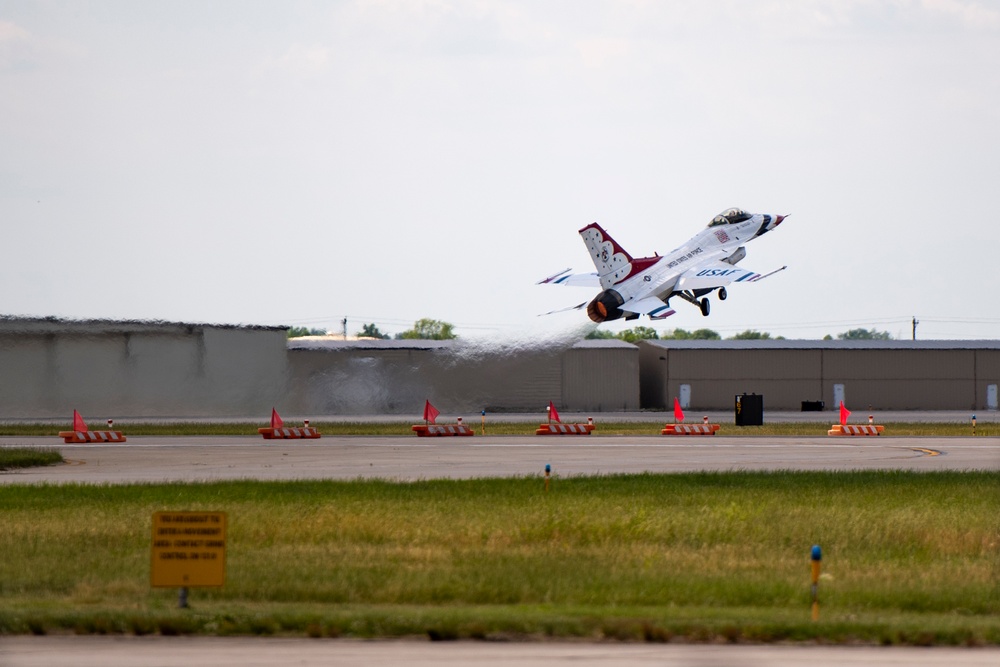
[92,651]
[202,458]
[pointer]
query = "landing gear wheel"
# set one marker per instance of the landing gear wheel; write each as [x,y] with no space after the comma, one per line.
[705,307]
[723,294]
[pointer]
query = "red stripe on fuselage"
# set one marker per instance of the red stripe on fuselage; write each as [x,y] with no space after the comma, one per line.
[641,264]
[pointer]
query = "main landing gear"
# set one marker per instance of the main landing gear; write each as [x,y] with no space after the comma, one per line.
[703,304]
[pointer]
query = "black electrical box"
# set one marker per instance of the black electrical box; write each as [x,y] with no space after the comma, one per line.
[749,409]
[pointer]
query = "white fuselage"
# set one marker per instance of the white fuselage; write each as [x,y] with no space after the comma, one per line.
[711,244]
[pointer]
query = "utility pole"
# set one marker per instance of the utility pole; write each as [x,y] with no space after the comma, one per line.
[345,328]
[915,323]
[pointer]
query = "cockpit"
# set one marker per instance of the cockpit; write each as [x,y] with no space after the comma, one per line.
[730,216]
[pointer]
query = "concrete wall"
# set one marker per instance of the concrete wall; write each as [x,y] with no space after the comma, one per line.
[600,376]
[105,369]
[396,377]
[886,375]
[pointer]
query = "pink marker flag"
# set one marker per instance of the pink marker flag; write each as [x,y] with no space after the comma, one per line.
[276,421]
[430,412]
[678,413]
[78,423]
[844,414]
[553,413]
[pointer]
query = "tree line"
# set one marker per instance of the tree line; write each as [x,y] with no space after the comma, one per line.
[423,329]
[430,329]
[649,333]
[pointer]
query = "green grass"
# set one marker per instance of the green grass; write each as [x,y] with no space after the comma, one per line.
[28,457]
[505,428]
[908,558]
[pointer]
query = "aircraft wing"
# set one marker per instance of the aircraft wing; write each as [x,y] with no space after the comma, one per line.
[564,277]
[650,305]
[717,274]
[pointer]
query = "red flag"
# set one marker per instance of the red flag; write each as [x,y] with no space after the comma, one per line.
[276,421]
[678,413]
[78,424]
[430,412]
[553,414]
[844,414]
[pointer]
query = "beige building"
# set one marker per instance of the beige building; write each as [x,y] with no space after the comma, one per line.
[397,376]
[49,367]
[886,375]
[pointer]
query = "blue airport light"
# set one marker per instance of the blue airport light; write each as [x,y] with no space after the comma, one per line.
[817,556]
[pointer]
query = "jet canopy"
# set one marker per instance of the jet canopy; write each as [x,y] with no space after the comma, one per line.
[730,217]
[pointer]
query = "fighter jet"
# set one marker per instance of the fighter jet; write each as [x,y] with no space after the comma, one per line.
[644,286]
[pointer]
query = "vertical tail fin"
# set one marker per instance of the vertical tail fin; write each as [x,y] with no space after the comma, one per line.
[613,262]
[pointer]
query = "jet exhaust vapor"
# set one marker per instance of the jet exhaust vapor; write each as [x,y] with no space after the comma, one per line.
[707,262]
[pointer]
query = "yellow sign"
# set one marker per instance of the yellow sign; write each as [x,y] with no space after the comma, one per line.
[189,549]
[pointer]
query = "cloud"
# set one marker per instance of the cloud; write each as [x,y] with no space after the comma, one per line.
[602,53]
[303,61]
[17,47]
[975,15]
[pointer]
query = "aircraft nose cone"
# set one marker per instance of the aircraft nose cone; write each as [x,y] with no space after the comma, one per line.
[778,219]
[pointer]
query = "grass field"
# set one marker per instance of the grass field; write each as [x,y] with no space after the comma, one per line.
[908,558]
[505,428]
[28,457]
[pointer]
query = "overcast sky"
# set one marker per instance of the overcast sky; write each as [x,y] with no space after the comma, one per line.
[298,163]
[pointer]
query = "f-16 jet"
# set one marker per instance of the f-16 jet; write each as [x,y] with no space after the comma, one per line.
[631,287]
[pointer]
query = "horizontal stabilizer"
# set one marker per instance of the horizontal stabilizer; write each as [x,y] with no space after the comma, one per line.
[564,277]
[563,310]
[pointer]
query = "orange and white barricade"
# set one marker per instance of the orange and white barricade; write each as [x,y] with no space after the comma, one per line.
[437,430]
[78,437]
[843,428]
[856,429]
[429,428]
[559,428]
[289,433]
[690,429]
[81,434]
[278,431]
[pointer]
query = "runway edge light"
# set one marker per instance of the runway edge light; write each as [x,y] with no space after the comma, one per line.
[816,555]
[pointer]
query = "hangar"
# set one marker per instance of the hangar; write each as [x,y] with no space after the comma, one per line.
[883,374]
[396,376]
[49,366]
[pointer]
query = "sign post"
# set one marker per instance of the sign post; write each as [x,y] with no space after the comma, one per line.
[188,550]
